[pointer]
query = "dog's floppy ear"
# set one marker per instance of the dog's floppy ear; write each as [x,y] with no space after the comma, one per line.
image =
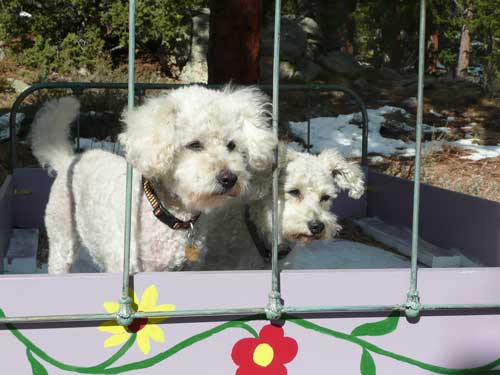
[346,175]
[286,154]
[254,117]
[149,136]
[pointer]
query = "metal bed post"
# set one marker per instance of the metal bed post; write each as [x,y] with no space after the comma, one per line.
[275,304]
[125,314]
[413,305]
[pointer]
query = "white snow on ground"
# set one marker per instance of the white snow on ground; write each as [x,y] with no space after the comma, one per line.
[4,125]
[479,152]
[92,143]
[343,133]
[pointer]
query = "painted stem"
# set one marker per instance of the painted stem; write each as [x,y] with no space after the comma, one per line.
[101,368]
[97,369]
[180,346]
[375,349]
[241,323]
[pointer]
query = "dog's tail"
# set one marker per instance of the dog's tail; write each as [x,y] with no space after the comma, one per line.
[50,133]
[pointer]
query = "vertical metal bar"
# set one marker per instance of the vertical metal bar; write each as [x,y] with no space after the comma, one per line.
[413,300]
[309,114]
[126,313]
[13,139]
[78,91]
[275,304]
[78,133]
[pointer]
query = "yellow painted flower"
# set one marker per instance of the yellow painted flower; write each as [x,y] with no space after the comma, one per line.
[146,328]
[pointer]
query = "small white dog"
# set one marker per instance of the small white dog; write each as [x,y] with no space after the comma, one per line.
[192,150]
[240,235]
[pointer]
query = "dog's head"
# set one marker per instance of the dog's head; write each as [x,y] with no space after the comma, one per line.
[201,145]
[308,186]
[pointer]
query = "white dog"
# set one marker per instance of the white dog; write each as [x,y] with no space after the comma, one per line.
[192,150]
[240,236]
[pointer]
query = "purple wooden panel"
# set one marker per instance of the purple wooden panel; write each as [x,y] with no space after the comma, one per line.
[345,207]
[447,219]
[5,217]
[29,208]
[326,344]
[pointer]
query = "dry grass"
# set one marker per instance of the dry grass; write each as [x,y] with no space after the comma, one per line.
[446,169]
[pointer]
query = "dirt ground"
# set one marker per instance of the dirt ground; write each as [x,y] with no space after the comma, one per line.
[472,112]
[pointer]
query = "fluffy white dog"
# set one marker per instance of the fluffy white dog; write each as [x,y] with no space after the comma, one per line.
[192,150]
[240,235]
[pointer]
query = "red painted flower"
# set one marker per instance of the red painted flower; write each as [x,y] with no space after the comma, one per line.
[265,355]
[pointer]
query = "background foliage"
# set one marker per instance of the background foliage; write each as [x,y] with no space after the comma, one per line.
[63,35]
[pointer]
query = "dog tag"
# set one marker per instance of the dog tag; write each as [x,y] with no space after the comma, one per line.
[192,252]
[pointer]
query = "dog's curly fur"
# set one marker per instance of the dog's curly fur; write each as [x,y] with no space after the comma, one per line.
[307,187]
[180,142]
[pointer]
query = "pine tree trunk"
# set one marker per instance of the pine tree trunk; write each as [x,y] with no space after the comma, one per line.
[391,32]
[350,28]
[433,52]
[234,42]
[465,47]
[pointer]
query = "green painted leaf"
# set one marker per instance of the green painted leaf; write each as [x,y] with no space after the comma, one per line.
[367,366]
[380,328]
[36,366]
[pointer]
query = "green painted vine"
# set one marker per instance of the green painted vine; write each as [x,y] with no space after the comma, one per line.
[36,356]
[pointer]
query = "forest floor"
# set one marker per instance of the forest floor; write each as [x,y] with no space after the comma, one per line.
[461,107]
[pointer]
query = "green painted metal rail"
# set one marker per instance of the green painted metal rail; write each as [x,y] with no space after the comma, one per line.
[238,312]
[77,88]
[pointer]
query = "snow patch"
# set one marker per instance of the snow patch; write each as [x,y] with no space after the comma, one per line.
[4,125]
[343,133]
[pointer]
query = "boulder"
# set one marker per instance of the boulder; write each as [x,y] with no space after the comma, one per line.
[293,40]
[196,69]
[310,27]
[389,74]
[287,70]
[307,71]
[2,52]
[338,62]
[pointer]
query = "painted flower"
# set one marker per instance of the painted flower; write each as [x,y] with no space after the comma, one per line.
[265,355]
[146,328]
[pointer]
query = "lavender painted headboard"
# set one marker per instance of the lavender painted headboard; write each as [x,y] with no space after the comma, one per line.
[348,344]
[447,219]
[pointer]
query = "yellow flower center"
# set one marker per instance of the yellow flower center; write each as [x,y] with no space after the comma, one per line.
[263,355]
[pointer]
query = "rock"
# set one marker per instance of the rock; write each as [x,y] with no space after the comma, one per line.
[287,70]
[293,40]
[361,83]
[17,85]
[313,49]
[339,62]
[389,74]
[411,102]
[307,71]
[310,27]
[196,69]
[83,72]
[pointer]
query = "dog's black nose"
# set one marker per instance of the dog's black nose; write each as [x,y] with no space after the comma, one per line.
[226,178]
[315,226]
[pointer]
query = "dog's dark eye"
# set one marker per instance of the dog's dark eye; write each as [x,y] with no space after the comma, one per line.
[294,193]
[231,145]
[325,198]
[335,173]
[195,146]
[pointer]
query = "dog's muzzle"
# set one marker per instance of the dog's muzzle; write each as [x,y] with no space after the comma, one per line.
[226,179]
